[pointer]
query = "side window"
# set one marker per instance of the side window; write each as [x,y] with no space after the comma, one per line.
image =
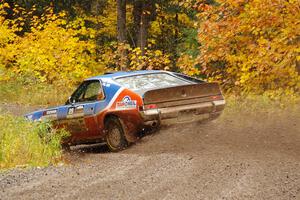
[88,91]
[92,91]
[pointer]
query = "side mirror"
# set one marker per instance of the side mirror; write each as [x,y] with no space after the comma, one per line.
[71,100]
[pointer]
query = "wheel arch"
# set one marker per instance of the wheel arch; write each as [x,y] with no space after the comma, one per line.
[110,115]
[130,135]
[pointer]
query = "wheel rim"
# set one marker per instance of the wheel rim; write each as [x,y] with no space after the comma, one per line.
[114,137]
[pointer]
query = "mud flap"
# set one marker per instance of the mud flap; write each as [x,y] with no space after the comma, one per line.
[129,131]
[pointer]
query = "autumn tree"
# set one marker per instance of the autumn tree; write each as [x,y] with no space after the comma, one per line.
[134,34]
[252,46]
[175,32]
[54,51]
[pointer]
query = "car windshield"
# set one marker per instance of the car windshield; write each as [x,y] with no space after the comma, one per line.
[151,81]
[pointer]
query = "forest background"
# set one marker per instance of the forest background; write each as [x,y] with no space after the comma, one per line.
[248,46]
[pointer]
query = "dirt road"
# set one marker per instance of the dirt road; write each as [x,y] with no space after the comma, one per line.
[238,157]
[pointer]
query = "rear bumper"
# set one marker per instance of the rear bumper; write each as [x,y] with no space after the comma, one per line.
[184,113]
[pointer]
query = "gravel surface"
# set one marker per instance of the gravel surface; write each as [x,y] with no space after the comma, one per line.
[239,157]
[17,109]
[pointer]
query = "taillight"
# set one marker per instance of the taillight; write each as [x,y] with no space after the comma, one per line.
[149,107]
[216,97]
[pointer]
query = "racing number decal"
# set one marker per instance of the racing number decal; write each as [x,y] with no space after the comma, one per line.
[75,119]
[75,112]
[71,111]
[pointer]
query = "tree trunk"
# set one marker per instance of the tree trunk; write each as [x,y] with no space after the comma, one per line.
[137,13]
[143,13]
[143,32]
[121,30]
[121,20]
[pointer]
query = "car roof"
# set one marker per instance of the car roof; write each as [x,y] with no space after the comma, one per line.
[124,74]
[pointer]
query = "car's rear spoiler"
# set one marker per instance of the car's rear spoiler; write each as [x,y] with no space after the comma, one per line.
[183,92]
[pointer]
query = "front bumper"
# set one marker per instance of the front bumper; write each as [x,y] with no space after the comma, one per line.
[183,113]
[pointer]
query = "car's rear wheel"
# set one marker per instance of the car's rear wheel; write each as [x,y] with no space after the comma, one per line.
[115,137]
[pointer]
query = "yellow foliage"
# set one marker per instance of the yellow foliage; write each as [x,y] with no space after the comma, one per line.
[251,45]
[52,52]
[151,60]
[186,64]
[106,22]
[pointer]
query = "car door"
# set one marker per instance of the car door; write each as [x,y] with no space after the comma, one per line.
[79,114]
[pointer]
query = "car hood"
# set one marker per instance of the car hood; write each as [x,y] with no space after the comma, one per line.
[39,114]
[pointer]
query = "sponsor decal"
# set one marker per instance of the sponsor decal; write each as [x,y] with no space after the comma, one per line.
[74,112]
[49,115]
[51,112]
[126,104]
[79,107]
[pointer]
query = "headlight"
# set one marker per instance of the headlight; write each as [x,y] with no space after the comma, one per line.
[29,117]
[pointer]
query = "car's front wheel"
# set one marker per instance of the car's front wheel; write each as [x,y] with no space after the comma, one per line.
[115,137]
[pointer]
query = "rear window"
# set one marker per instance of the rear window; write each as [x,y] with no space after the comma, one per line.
[151,81]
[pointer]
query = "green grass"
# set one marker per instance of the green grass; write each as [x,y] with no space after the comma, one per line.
[28,144]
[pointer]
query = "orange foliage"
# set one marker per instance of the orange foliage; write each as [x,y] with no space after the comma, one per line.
[251,45]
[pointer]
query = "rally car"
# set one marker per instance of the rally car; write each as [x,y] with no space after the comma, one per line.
[115,107]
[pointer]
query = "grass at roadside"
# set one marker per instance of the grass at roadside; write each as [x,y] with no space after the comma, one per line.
[15,92]
[258,104]
[27,144]
[259,112]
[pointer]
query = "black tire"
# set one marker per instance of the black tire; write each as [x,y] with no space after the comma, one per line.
[115,138]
